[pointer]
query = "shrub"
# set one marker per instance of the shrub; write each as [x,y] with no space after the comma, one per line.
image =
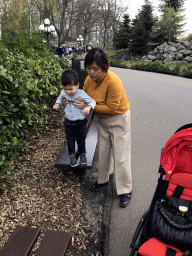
[30,83]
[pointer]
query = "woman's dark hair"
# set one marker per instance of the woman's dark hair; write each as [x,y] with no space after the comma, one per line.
[69,77]
[98,56]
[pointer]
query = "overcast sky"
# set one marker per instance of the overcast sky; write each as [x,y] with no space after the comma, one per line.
[134,5]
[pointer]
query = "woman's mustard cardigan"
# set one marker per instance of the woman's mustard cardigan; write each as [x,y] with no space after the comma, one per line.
[109,94]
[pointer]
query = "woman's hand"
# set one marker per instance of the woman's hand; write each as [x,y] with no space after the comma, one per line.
[79,103]
[64,102]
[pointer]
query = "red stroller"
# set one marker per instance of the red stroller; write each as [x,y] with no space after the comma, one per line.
[166,227]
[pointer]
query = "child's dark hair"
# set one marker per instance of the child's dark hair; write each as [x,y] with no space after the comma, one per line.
[69,77]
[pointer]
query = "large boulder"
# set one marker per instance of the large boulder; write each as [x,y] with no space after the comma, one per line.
[164,56]
[188,59]
[179,57]
[186,43]
[189,47]
[159,49]
[151,57]
[169,49]
[159,56]
[180,47]
[185,52]
[170,58]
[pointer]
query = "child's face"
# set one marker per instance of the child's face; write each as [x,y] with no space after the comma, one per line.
[71,89]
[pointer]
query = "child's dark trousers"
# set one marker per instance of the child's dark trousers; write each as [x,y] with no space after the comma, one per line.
[75,131]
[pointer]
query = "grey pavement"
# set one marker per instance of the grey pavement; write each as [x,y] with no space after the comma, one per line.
[160,104]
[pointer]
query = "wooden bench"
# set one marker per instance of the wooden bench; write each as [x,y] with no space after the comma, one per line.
[23,239]
[91,142]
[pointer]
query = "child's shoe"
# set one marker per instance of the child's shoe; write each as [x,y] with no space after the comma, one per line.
[73,160]
[83,159]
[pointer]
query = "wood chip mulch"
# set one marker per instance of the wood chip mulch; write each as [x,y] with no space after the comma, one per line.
[50,198]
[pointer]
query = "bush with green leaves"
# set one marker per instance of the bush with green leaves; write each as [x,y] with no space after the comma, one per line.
[30,83]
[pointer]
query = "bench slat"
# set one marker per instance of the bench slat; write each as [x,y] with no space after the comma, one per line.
[91,142]
[21,241]
[54,243]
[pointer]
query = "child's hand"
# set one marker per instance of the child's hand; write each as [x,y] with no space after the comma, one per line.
[86,110]
[56,106]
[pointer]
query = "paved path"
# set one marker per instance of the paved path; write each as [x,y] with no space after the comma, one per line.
[160,104]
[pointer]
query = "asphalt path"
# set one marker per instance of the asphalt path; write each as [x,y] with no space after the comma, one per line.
[160,104]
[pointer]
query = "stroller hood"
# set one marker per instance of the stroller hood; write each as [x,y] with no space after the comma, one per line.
[176,156]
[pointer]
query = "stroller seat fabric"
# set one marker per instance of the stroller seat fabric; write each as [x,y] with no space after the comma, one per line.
[154,247]
[180,186]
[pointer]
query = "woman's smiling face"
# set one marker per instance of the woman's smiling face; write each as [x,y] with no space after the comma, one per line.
[94,71]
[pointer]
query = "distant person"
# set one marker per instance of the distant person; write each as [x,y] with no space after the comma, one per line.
[60,51]
[70,50]
[75,118]
[66,57]
[73,49]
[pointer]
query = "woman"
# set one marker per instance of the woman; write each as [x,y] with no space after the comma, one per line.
[113,113]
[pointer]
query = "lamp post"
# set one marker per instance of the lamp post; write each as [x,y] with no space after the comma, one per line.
[47,29]
[80,39]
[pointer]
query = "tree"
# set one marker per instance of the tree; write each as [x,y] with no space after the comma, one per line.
[15,18]
[86,18]
[176,4]
[147,19]
[138,38]
[141,30]
[170,24]
[122,37]
[106,13]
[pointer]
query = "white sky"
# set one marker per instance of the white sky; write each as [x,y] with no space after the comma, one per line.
[134,5]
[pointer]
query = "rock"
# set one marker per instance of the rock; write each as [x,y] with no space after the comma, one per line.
[172,54]
[179,47]
[169,49]
[151,57]
[164,56]
[189,47]
[144,57]
[159,56]
[169,58]
[188,59]
[179,57]
[186,53]
[185,43]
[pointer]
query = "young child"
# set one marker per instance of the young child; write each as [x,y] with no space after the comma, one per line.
[75,118]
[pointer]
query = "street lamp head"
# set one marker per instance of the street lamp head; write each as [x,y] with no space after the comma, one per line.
[80,38]
[47,22]
[41,27]
[52,28]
